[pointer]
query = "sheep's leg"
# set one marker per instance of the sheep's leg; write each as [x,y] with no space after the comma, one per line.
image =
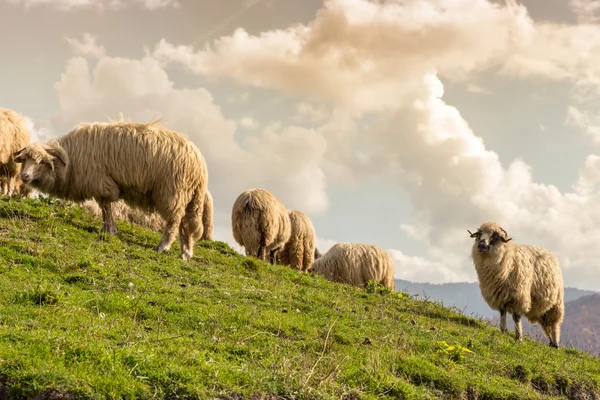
[11,186]
[186,243]
[502,320]
[169,233]
[555,333]
[108,225]
[189,233]
[518,327]
[261,254]
[5,187]
[551,329]
[273,255]
[191,228]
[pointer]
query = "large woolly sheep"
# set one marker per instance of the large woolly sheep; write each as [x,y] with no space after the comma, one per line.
[260,223]
[14,135]
[355,264]
[299,250]
[519,279]
[146,165]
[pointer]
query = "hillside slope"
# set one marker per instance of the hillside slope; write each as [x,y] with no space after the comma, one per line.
[87,316]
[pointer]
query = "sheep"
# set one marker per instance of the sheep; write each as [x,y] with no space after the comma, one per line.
[14,135]
[299,250]
[355,264]
[260,223]
[520,279]
[145,164]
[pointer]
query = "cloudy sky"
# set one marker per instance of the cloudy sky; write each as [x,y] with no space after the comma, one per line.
[399,123]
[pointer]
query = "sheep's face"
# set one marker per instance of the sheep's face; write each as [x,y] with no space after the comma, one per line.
[41,168]
[488,236]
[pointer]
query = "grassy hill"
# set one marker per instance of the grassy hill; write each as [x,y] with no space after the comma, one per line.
[87,316]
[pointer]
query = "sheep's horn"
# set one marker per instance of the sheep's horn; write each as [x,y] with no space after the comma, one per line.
[473,234]
[505,234]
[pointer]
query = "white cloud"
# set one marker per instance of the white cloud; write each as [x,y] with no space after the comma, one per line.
[249,123]
[419,269]
[349,54]
[67,5]
[313,113]
[324,244]
[589,122]
[37,133]
[87,46]
[586,11]
[589,177]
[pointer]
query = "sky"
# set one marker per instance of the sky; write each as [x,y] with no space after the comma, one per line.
[396,123]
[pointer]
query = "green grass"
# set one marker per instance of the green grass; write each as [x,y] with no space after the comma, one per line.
[83,315]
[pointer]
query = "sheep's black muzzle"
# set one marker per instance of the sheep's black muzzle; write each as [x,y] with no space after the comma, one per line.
[483,247]
[26,178]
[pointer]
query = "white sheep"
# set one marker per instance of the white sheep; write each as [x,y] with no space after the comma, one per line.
[146,165]
[355,264]
[299,250]
[519,279]
[260,223]
[14,135]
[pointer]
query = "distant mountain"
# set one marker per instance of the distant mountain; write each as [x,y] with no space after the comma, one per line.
[466,295]
[580,328]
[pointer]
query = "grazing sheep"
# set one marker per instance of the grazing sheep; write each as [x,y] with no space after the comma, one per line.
[146,165]
[355,264]
[207,217]
[14,135]
[519,279]
[260,223]
[299,250]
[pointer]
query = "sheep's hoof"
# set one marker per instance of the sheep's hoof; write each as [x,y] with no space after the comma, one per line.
[185,256]
[161,247]
[555,345]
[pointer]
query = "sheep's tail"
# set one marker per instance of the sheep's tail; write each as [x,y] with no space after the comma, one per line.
[207,217]
[192,221]
[253,230]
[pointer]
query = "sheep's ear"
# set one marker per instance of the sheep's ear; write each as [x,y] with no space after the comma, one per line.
[19,156]
[473,234]
[58,154]
[504,236]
